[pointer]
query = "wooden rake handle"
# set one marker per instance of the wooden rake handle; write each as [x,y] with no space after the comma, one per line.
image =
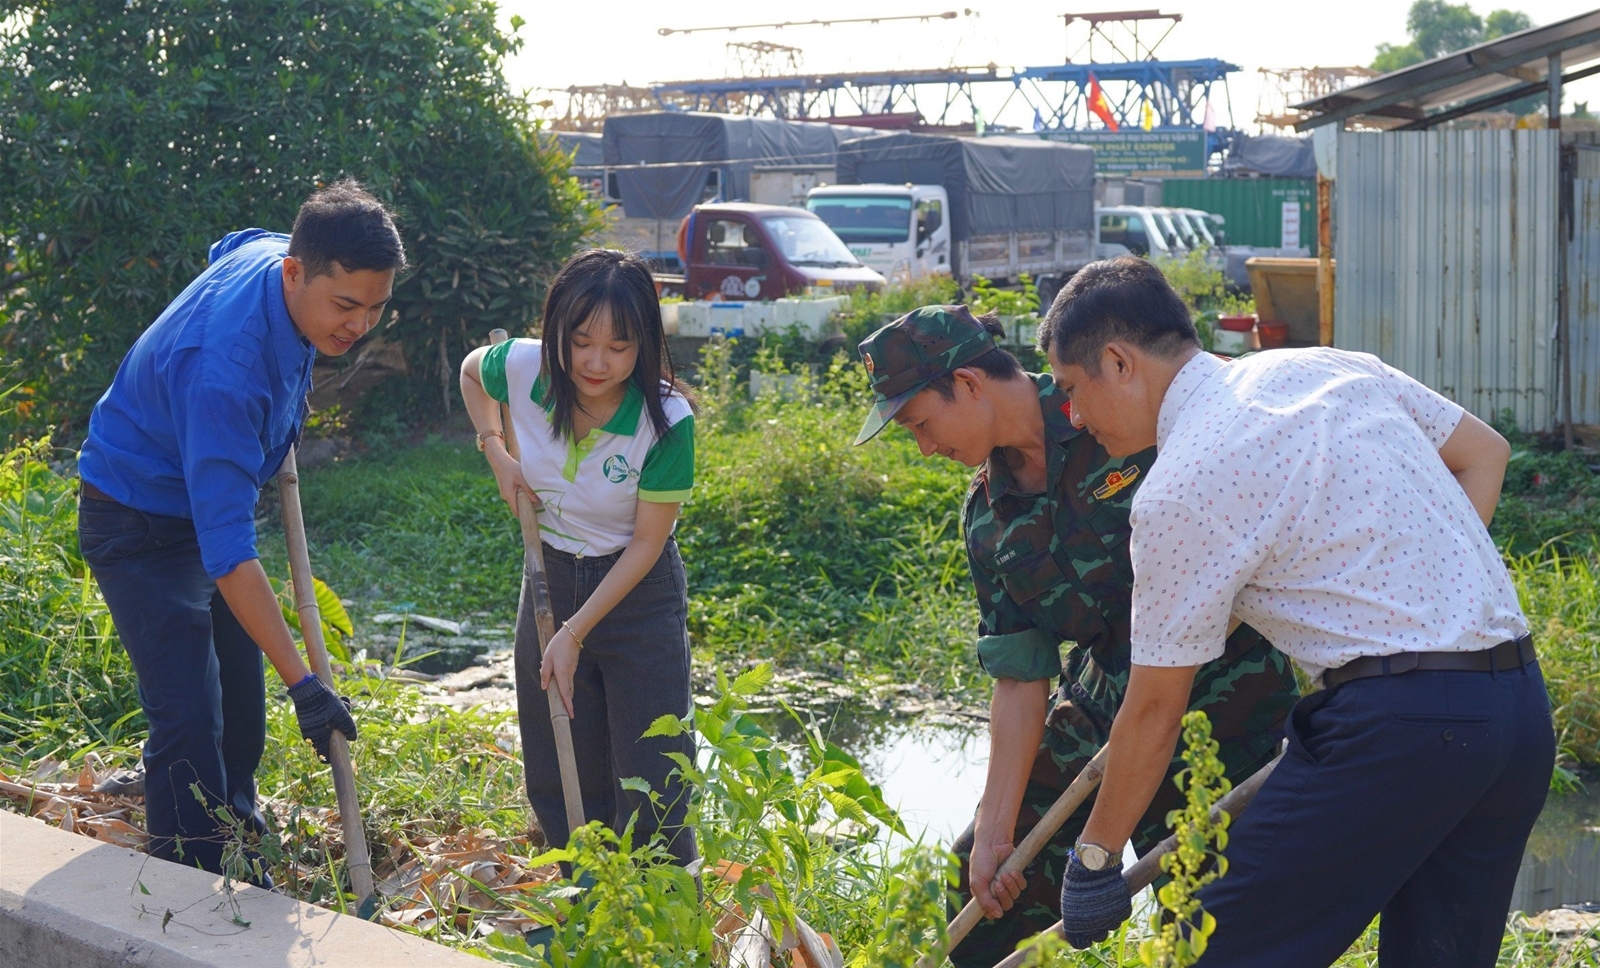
[1076,792]
[1147,868]
[544,622]
[357,860]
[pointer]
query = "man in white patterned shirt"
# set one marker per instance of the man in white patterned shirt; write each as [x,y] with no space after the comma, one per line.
[1341,508]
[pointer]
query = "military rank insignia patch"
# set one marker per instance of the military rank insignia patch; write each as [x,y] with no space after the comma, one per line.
[1116,481]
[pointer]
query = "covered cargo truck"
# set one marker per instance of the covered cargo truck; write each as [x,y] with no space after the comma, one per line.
[911,204]
[660,165]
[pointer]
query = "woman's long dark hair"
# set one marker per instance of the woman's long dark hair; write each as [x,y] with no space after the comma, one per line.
[620,283]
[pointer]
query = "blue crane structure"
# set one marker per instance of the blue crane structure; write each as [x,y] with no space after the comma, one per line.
[1179,95]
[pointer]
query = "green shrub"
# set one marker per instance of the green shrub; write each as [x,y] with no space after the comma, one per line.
[134,135]
[869,310]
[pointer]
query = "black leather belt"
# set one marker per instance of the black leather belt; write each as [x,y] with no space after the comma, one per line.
[1511,654]
[90,491]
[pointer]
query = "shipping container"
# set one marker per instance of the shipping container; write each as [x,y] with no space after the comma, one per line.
[1264,212]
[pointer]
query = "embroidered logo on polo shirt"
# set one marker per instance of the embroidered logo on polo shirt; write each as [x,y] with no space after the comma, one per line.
[1116,481]
[617,470]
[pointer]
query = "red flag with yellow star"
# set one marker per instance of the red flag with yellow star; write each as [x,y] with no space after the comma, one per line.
[1099,106]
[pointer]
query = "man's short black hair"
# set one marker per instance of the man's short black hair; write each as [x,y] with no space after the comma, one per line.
[344,223]
[997,364]
[1125,299]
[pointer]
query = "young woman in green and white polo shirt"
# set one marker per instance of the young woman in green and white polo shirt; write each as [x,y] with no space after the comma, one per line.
[607,439]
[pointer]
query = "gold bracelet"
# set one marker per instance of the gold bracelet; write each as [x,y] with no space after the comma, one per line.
[573,634]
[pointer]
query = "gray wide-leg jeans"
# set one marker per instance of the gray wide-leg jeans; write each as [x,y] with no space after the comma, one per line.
[633,669]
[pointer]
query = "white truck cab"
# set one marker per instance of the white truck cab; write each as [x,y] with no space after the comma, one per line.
[902,231]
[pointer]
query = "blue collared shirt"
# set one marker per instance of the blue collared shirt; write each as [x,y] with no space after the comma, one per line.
[208,401]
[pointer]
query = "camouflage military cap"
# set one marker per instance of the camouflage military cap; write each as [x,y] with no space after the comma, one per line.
[921,346]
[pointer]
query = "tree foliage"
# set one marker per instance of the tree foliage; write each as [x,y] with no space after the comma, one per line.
[1438,28]
[133,133]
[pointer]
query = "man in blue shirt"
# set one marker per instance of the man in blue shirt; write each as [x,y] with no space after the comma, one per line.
[200,415]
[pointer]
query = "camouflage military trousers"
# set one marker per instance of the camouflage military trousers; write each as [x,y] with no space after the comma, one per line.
[1247,695]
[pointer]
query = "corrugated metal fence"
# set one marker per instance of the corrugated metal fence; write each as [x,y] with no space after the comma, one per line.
[1446,247]
[1583,295]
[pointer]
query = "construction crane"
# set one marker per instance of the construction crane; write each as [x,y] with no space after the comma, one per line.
[946,15]
[1287,86]
[1127,34]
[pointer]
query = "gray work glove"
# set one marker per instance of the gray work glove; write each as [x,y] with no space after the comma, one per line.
[1093,903]
[321,711]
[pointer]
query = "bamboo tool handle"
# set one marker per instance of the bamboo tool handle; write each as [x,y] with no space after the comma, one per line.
[1147,868]
[357,860]
[1076,792]
[544,622]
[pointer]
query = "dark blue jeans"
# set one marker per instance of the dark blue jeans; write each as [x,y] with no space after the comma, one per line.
[200,678]
[1411,796]
[634,668]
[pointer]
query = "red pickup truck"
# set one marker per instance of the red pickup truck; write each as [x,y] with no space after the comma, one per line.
[744,251]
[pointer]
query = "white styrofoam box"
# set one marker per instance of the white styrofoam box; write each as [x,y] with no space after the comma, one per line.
[703,319]
[1229,342]
[785,385]
[1021,330]
[669,317]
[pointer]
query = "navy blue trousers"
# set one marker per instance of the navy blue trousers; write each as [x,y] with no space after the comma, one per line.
[201,681]
[1411,796]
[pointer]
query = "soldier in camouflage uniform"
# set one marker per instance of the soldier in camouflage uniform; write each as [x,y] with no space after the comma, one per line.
[1046,525]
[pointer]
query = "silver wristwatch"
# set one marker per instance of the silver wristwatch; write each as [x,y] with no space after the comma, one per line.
[1096,858]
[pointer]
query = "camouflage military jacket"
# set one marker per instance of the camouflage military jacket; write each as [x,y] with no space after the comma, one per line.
[1054,567]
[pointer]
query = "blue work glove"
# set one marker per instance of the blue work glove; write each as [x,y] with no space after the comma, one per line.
[1093,903]
[321,711]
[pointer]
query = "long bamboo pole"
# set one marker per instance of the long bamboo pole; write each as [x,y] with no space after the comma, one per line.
[544,623]
[1147,868]
[357,860]
[1076,792]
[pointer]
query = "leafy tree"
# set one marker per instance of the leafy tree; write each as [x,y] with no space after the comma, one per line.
[1502,22]
[1438,28]
[1393,57]
[133,133]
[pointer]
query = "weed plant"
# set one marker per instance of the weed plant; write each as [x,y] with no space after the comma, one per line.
[1550,499]
[1561,596]
[66,685]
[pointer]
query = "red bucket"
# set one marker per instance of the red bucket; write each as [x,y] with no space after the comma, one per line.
[1273,334]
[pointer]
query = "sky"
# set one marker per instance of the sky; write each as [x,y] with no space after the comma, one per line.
[575,43]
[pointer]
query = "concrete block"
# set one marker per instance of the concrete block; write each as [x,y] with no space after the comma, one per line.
[69,902]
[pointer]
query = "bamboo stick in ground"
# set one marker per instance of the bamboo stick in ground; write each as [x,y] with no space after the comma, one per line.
[357,860]
[544,623]
[1147,868]
[1076,792]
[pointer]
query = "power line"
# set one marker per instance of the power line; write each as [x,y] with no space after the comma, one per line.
[947,15]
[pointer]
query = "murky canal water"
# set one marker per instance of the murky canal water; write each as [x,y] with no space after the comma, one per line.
[934,776]
[931,762]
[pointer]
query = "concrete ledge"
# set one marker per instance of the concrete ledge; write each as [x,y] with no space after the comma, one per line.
[69,902]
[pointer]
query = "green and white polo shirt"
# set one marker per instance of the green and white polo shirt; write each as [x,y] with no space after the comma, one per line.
[590,487]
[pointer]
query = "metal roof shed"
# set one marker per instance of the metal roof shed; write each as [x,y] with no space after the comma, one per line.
[1463,255]
[1474,79]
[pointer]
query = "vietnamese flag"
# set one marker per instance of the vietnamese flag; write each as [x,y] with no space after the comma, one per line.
[1099,106]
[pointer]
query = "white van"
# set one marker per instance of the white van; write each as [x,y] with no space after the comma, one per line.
[1140,230]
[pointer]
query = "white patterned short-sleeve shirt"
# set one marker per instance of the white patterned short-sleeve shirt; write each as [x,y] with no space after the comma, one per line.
[1303,491]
